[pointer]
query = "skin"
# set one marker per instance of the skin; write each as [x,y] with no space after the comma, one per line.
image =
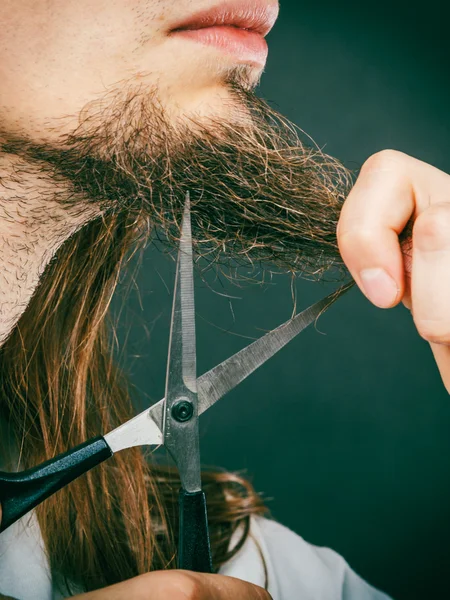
[82,48]
[57,57]
[176,585]
[179,585]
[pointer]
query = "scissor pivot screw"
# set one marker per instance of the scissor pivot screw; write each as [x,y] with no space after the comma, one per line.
[182,411]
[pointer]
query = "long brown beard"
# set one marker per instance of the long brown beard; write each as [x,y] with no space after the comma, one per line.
[257,192]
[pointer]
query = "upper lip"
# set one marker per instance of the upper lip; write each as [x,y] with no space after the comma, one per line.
[254,15]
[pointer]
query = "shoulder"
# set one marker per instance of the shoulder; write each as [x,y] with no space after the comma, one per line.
[294,568]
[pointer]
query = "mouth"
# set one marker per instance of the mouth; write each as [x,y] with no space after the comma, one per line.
[238,29]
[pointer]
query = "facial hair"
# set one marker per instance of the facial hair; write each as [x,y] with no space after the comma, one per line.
[258,193]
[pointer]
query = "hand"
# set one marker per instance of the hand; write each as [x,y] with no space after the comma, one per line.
[176,585]
[179,585]
[393,188]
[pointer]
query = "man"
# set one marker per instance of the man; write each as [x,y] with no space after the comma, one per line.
[113,110]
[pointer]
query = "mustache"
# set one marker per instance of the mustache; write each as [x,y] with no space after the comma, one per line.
[258,192]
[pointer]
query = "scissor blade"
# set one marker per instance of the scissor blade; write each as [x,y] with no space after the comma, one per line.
[181,361]
[224,377]
[146,428]
[180,425]
[186,291]
[220,380]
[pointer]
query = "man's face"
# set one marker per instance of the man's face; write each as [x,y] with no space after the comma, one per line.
[133,103]
[59,55]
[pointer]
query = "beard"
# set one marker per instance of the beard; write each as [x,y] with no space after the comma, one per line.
[257,192]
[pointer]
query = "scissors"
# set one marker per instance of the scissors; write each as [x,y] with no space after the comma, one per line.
[173,421]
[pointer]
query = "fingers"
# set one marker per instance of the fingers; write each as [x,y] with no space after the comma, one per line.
[374,214]
[430,281]
[392,188]
[179,585]
[220,587]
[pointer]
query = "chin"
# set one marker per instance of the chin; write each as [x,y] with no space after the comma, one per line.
[214,102]
[245,75]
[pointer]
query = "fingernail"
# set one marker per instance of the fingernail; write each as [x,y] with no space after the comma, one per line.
[379,287]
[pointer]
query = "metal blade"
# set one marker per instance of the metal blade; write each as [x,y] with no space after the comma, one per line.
[146,428]
[224,377]
[181,413]
[181,361]
[141,430]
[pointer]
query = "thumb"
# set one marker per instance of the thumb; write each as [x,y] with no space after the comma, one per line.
[221,587]
[372,218]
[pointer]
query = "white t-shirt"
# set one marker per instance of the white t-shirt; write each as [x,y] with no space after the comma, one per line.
[296,570]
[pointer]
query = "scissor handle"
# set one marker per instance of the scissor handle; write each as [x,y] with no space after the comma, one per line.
[22,491]
[194,550]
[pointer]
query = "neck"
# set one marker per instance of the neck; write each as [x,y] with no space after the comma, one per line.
[34,223]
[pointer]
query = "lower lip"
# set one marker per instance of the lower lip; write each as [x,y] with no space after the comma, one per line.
[247,46]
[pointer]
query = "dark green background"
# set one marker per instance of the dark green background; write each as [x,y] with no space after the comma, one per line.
[347,432]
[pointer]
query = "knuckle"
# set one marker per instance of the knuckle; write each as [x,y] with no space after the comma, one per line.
[384,160]
[176,585]
[354,239]
[185,586]
[244,589]
[432,228]
[434,331]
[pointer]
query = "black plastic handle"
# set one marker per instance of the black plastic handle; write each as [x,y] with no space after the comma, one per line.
[22,491]
[194,551]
